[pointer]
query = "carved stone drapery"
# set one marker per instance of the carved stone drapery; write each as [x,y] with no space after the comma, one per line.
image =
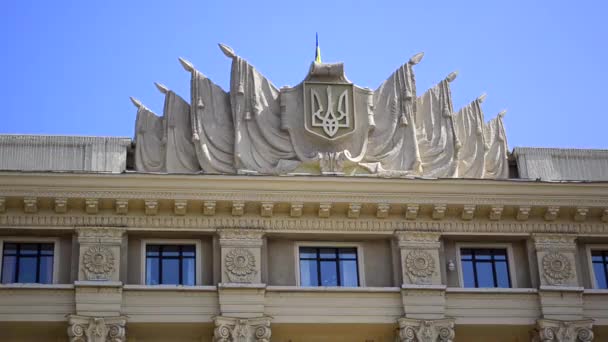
[415,330]
[241,255]
[556,259]
[549,330]
[97,329]
[99,253]
[228,329]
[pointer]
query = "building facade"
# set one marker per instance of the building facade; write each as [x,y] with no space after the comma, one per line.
[352,218]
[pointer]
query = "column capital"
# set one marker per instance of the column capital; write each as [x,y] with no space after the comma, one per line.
[97,329]
[550,330]
[230,329]
[417,330]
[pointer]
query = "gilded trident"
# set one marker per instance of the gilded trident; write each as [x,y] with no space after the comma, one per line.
[330,122]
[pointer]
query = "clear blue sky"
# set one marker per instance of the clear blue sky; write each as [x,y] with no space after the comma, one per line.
[69,67]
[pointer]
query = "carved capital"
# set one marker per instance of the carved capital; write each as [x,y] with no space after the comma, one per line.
[228,329]
[97,329]
[415,330]
[548,330]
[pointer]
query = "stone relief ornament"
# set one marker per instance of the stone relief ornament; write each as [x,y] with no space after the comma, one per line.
[98,263]
[324,125]
[556,268]
[96,329]
[419,265]
[240,265]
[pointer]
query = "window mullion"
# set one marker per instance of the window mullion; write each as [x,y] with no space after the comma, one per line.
[338,267]
[319,281]
[17,262]
[493,262]
[38,263]
[160,265]
[474,262]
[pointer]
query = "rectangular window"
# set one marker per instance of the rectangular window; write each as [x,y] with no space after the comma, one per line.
[599,261]
[329,266]
[27,263]
[171,264]
[485,267]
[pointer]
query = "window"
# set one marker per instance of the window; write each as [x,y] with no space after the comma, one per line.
[329,266]
[27,262]
[485,267]
[170,264]
[599,260]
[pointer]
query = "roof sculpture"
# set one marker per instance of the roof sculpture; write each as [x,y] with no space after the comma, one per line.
[325,125]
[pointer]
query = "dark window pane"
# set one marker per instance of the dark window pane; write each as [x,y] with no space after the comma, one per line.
[188,251]
[10,248]
[484,274]
[327,253]
[500,254]
[152,250]
[188,272]
[502,274]
[8,269]
[308,253]
[348,253]
[308,273]
[170,271]
[600,275]
[468,277]
[348,273]
[46,270]
[29,249]
[27,270]
[170,251]
[329,273]
[152,276]
[483,254]
[466,254]
[46,249]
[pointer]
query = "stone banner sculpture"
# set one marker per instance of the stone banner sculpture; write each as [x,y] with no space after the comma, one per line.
[325,125]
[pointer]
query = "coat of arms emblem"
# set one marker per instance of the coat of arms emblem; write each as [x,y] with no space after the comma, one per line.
[329,109]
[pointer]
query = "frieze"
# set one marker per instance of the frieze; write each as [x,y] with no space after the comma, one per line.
[289,224]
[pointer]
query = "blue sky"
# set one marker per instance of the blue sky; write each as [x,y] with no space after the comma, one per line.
[69,67]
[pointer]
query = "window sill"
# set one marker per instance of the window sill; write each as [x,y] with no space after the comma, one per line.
[170,287]
[97,283]
[331,289]
[595,291]
[561,288]
[490,290]
[37,286]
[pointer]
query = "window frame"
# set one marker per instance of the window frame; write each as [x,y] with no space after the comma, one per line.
[329,244]
[590,248]
[30,239]
[197,258]
[481,245]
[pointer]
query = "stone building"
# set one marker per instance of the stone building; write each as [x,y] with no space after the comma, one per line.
[320,212]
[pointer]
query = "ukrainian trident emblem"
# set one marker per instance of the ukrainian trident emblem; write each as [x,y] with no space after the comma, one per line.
[329,109]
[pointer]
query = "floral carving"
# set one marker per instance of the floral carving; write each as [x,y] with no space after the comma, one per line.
[240,265]
[98,263]
[556,268]
[419,264]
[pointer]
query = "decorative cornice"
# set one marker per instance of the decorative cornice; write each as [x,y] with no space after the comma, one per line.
[354,210]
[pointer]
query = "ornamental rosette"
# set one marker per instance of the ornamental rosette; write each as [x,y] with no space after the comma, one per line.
[98,263]
[419,264]
[240,265]
[556,268]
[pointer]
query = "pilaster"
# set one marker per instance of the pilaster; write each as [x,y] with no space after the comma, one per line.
[241,292]
[422,292]
[561,298]
[549,330]
[97,329]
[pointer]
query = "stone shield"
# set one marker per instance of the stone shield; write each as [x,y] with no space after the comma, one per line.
[329,109]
